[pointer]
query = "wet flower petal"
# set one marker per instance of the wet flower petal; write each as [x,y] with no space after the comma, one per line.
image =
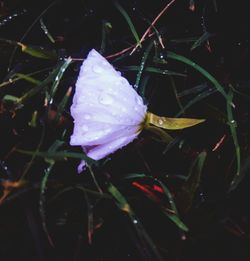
[107,111]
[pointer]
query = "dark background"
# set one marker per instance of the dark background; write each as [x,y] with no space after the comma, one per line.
[218,220]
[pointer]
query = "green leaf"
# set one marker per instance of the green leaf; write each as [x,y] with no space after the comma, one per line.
[58,78]
[152,70]
[142,65]
[170,123]
[233,125]
[144,237]
[27,78]
[162,135]
[46,31]
[10,98]
[42,87]
[196,99]
[129,21]
[120,200]
[185,60]
[134,176]
[63,104]
[192,183]
[59,155]
[38,52]
[201,40]
[106,28]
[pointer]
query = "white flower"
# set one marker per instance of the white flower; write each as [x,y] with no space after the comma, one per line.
[108,113]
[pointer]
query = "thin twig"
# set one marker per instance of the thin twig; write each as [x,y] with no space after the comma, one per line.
[152,24]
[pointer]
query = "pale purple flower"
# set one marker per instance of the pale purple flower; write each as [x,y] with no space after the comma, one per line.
[108,113]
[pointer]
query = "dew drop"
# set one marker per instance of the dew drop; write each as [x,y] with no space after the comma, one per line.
[97,69]
[123,109]
[123,81]
[105,99]
[135,221]
[139,100]
[105,63]
[87,117]
[84,128]
[160,121]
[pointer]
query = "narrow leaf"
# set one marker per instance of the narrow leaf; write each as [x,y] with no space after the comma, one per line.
[185,60]
[129,21]
[201,40]
[171,123]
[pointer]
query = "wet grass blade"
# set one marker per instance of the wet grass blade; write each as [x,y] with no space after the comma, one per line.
[176,92]
[195,90]
[175,216]
[42,87]
[59,155]
[27,78]
[106,28]
[134,176]
[143,85]
[129,21]
[46,31]
[42,202]
[162,135]
[38,52]
[170,123]
[35,51]
[185,40]
[153,70]
[90,209]
[193,180]
[58,78]
[197,67]
[19,76]
[201,40]
[142,65]
[196,99]
[124,206]
[63,104]
[170,213]
[233,125]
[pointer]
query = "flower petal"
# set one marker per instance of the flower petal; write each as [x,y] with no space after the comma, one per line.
[107,111]
[101,151]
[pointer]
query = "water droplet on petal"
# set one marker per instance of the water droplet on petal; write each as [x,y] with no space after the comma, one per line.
[123,81]
[139,100]
[136,108]
[105,63]
[84,128]
[106,131]
[105,99]
[87,117]
[97,69]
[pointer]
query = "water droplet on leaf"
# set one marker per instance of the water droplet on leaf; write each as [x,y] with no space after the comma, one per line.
[160,121]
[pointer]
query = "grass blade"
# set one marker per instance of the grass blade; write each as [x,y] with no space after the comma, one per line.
[142,65]
[124,206]
[153,70]
[129,21]
[197,67]
[193,180]
[232,124]
[201,40]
